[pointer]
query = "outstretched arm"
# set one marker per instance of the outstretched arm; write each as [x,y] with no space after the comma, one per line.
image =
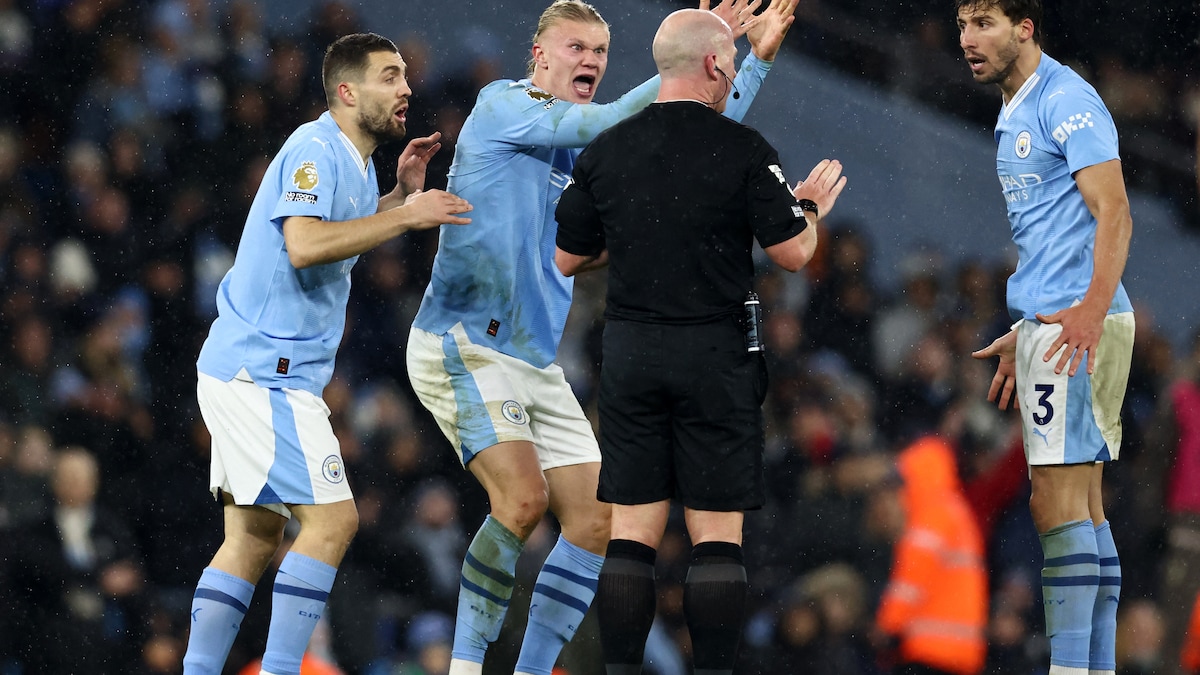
[739,14]
[767,33]
[312,241]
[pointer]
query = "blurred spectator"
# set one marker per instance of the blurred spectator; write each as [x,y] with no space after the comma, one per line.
[25,477]
[911,315]
[817,627]
[1178,435]
[427,644]
[935,607]
[77,580]
[1140,639]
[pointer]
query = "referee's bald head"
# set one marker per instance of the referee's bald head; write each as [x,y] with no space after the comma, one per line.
[686,37]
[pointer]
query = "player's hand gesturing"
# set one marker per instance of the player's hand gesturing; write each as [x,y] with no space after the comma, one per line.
[739,14]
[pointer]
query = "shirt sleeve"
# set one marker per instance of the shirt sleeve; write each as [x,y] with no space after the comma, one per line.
[525,116]
[580,231]
[308,176]
[747,83]
[1080,126]
[774,213]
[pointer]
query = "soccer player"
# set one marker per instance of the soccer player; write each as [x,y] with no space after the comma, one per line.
[482,347]
[1067,357]
[270,352]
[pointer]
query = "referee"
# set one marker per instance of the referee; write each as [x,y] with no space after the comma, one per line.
[677,195]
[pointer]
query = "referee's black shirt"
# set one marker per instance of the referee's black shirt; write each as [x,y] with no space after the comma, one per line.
[677,193]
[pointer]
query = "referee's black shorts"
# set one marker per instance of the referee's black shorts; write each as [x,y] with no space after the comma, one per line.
[681,416]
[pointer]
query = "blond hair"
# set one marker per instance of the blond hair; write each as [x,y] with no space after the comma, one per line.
[564,10]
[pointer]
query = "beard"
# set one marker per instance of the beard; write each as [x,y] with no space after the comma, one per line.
[380,124]
[1007,55]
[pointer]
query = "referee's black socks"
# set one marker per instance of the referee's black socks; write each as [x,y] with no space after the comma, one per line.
[714,602]
[625,603]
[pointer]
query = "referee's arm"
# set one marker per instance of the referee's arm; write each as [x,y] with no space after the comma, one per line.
[579,243]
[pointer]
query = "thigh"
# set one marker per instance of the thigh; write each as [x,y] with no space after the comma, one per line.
[1063,421]
[717,427]
[561,433]
[271,447]
[635,426]
[469,391]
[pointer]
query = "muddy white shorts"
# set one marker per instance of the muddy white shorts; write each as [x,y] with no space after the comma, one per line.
[481,397]
[1073,420]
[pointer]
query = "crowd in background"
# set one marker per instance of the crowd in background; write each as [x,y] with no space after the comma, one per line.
[132,134]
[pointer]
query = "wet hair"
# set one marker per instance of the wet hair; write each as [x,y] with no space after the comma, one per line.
[1016,11]
[564,10]
[347,58]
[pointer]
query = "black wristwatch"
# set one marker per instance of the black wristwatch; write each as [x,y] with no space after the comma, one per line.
[808,205]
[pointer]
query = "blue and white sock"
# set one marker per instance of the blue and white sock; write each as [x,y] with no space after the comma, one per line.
[218,606]
[561,597]
[302,586]
[1070,578]
[1104,614]
[485,589]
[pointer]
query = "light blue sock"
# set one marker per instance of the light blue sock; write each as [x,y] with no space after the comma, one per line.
[1070,576]
[1104,615]
[218,606]
[563,592]
[485,589]
[301,588]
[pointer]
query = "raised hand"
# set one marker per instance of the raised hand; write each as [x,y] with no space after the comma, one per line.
[739,14]
[823,185]
[410,168]
[767,32]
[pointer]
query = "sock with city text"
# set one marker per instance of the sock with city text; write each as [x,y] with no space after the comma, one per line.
[485,589]
[302,586]
[1104,614]
[1070,578]
[220,603]
[561,597]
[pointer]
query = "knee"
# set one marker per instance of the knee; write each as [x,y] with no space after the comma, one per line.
[521,509]
[591,530]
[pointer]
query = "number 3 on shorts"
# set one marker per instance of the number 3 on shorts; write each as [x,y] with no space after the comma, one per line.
[1046,391]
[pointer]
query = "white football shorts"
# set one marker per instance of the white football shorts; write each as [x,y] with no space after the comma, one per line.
[1073,420]
[481,397]
[271,447]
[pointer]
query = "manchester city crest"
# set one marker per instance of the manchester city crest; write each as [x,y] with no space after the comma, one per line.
[332,469]
[1024,144]
[513,412]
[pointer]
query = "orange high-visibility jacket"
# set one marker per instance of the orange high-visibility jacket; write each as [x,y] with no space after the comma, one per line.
[1189,658]
[936,601]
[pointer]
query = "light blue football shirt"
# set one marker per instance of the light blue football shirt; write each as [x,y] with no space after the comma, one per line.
[513,159]
[1052,127]
[281,324]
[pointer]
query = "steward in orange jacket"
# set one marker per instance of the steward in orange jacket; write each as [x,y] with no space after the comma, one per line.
[935,605]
